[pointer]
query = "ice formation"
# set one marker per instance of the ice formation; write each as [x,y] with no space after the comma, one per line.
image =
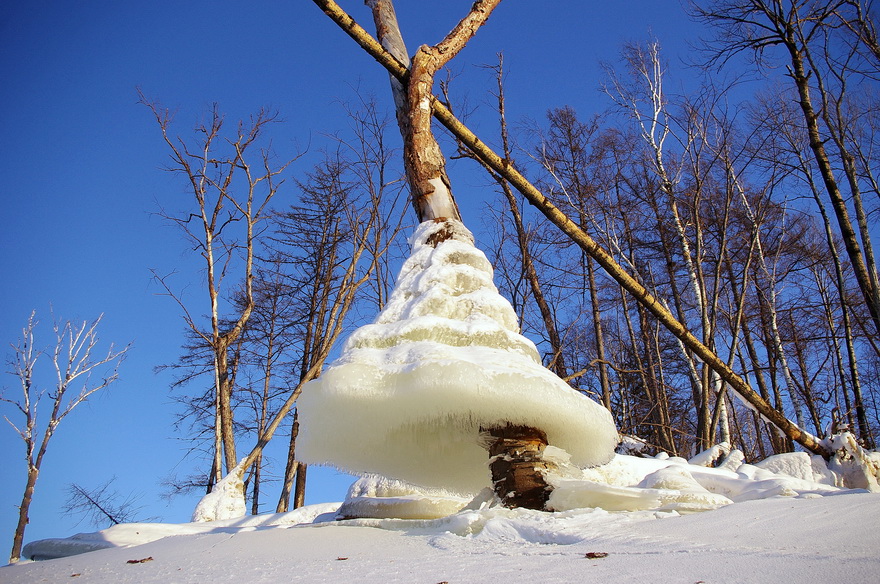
[225,501]
[380,497]
[410,393]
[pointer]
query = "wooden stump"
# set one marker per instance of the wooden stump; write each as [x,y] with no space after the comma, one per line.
[517,465]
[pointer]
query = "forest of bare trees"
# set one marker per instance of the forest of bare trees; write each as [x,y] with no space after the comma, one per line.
[699,261]
[749,216]
[280,282]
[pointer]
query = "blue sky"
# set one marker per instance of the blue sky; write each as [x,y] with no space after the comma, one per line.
[80,176]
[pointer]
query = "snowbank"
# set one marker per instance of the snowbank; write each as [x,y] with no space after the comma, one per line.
[410,393]
[783,517]
[629,483]
[625,484]
[127,535]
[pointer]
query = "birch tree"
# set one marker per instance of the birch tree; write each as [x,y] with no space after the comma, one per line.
[75,359]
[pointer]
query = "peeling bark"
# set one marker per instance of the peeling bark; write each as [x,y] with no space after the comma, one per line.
[518,466]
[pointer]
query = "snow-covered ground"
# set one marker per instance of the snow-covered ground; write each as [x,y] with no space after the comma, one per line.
[803,540]
[770,526]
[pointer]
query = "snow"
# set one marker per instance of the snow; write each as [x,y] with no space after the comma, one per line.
[799,465]
[823,534]
[410,393]
[856,467]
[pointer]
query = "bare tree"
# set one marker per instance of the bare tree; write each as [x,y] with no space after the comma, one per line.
[325,251]
[75,359]
[805,31]
[231,189]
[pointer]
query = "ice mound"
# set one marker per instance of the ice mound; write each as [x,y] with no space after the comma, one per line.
[629,483]
[409,394]
[225,501]
[381,497]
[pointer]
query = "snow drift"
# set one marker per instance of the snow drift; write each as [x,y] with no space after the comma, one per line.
[410,393]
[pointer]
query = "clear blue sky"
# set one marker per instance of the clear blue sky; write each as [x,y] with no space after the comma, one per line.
[80,178]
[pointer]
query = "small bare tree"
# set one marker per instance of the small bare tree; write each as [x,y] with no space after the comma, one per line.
[74,358]
[103,506]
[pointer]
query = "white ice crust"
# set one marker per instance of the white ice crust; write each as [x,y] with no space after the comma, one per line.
[409,394]
[225,501]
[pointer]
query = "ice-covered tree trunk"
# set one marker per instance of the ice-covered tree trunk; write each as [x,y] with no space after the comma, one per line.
[517,470]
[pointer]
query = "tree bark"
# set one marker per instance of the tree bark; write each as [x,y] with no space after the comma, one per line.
[299,492]
[289,469]
[23,518]
[517,466]
[431,191]
[604,381]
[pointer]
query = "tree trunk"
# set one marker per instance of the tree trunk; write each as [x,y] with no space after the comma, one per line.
[227,431]
[299,493]
[23,518]
[289,469]
[431,192]
[604,382]
[517,465]
[255,490]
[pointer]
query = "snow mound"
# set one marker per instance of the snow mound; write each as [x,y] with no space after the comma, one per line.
[410,393]
[629,483]
[799,465]
[127,535]
[857,468]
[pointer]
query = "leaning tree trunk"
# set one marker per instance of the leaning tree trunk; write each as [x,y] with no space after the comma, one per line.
[515,451]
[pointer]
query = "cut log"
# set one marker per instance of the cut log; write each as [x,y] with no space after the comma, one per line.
[516,460]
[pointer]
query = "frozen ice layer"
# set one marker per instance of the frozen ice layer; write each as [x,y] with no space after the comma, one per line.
[410,393]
